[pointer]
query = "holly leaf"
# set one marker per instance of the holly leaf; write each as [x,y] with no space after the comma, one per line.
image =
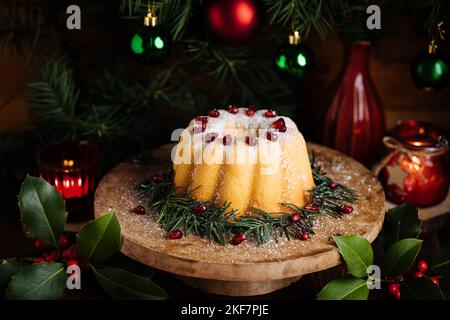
[130,265]
[99,239]
[8,269]
[420,289]
[357,253]
[345,289]
[123,285]
[401,222]
[42,209]
[442,263]
[41,281]
[400,256]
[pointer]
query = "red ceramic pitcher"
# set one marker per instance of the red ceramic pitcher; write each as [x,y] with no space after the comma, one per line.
[353,117]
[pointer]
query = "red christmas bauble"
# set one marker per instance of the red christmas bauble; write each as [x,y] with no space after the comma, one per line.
[233,22]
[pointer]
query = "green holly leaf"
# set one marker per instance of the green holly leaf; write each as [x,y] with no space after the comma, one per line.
[99,239]
[357,253]
[400,256]
[420,289]
[401,222]
[41,281]
[123,285]
[8,269]
[345,289]
[42,209]
[130,265]
[442,263]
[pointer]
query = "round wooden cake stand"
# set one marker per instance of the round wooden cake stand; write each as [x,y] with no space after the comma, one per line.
[247,269]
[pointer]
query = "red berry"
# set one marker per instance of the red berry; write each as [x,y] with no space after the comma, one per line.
[418,274]
[251,111]
[250,140]
[271,113]
[200,208]
[422,266]
[210,137]
[158,178]
[72,252]
[38,260]
[138,210]
[63,241]
[280,125]
[233,109]
[175,234]
[397,296]
[394,289]
[296,217]
[238,239]
[227,140]
[435,280]
[312,207]
[304,236]
[41,245]
[346,209]
[214,113]
[72,263]
[51,256]
[271,136]
[333,185]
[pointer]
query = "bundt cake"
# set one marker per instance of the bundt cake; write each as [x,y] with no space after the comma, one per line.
[243,157]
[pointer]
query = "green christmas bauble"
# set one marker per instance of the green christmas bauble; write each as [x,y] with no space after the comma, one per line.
[151,44]
[294,61]
[430,71]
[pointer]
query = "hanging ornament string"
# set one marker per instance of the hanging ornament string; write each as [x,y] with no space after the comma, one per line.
[438,34]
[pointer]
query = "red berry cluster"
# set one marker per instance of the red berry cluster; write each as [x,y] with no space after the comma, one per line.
[48,254]
[420,271]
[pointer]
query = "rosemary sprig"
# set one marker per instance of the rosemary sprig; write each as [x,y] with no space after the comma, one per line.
[174,211]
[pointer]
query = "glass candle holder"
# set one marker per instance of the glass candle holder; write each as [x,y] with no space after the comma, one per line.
[72,168]
[416,168]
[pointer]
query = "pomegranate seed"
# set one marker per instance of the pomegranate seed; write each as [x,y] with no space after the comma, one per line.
[422,265]
[175,234]
[333,185]
[200,208]
[304,236]
[72,263]
[210,137]
[202,119]
[279,124]
[238,239]
[251,141]
[227,140]
[312,207]
[158,178]
[272,136]
[233,109]
[418,274]
[394,289]
[346,209]
[200,124]
[138,210]
[296,217]
[435,280]
[38,260]
[271,113]
[251,111]
[214,113]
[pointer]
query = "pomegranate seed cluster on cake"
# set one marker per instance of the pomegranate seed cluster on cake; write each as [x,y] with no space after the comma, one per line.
[245,157]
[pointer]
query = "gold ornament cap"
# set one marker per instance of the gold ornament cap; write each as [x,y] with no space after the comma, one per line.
[150,20]
[294,38]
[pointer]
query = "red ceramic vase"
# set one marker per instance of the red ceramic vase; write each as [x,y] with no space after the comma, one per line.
[354,119]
